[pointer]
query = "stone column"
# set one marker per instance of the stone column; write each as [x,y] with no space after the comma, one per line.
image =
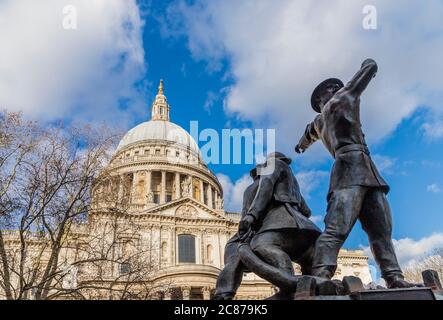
[163,188]
[202,191]
[210,196]
[216,200]
[191,180]
[171,246]
[167,295]
[177,186]
[206,293]
[174,255]
[133,195]
[148,183]
[201,259]
[120,182]
[220,250]
[186,291]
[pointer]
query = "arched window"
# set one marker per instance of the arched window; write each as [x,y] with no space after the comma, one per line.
[186,248]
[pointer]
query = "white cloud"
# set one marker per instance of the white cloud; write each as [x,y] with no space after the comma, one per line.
[432,164]
[211,98]
[233,191]
[317,219]
[310,180]
[433,130]
[410,251]
[277,52]
[384,163]
[49,72]
[434,188]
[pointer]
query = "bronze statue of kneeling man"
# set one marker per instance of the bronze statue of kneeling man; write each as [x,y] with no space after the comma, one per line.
[274,231]
[231,276]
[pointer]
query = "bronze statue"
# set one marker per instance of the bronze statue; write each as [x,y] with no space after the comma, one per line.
[357,190]
[274,230]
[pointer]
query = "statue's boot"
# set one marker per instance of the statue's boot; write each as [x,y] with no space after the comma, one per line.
[326,272]
[400,283]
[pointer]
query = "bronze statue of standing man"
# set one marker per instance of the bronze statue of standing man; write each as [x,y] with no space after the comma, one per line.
[357,190]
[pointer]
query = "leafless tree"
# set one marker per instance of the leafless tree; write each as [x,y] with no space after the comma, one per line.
[433,261]
[107,259]
[50,247]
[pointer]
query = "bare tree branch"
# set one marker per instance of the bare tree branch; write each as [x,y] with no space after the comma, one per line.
[52,182]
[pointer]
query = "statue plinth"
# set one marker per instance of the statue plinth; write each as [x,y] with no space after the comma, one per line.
[351,288]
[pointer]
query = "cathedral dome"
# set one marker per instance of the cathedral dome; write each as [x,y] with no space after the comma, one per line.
[158,162]
[158,130]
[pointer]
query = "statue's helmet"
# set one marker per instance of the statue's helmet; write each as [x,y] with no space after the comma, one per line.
[319,90]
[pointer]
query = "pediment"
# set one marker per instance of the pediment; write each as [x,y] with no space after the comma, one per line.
[186,208]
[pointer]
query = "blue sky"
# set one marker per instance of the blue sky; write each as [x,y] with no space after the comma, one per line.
[415,162]
[244,64]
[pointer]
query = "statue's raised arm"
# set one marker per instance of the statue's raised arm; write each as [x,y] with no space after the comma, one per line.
[360,81]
